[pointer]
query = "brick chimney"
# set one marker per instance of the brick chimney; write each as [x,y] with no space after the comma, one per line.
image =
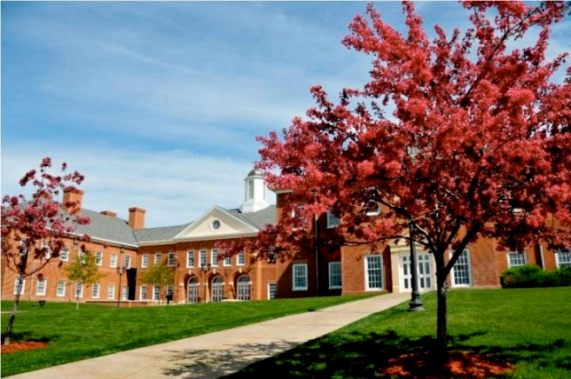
[72,198]
[109,213]
[137,218]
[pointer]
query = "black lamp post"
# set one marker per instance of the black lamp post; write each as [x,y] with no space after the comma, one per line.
[120,272]
[415,301]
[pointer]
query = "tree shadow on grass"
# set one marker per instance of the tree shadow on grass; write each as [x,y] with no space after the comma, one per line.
[212,363]
[366,355]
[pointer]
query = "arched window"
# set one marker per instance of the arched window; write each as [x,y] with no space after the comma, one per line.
[243,288]
[217,288]
[192,290]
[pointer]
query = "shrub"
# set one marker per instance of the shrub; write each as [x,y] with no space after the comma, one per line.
[534,276]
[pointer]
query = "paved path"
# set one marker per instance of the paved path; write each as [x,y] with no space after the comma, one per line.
[216,354]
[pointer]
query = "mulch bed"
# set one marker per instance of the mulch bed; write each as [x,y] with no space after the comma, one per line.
[23,346]
[460,364]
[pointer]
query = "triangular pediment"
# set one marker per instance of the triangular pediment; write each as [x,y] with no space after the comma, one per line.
[217,223]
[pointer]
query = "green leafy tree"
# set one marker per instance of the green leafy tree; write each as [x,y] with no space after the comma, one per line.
[159,274]
[83,270]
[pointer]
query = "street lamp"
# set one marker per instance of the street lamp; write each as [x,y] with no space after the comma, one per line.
[415,301]
[120,272]
[204,270]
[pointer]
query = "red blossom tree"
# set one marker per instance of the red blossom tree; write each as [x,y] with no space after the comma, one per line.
[477,145]
[33,231]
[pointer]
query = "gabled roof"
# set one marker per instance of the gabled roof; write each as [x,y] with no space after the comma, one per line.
[259,219]
[165,233]
[111,229]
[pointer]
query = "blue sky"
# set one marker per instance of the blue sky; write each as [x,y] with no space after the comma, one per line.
[159,104]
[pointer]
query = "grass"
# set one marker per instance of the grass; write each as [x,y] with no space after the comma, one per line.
[96,330]
[530,328]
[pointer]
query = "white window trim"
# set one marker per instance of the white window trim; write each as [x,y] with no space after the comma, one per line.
[57,286]
[334,287]
[159,292]
[330,223]
[214,262]
[516,252]
[145,261]
[112,297]
[22,290]
[141,293]
[227,261]
[469,258]
[557,258]
[100,263]
[75,290]
[366,272]
[188,254]
[125,294]
[201,253]
[43,293]
[157,259]
[293,286]
[94,286]
[127,261]
[66,250]
[242,253]
[113,261]
[173,263]
[269,285]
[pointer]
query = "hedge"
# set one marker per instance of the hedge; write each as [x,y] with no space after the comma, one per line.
[534,276]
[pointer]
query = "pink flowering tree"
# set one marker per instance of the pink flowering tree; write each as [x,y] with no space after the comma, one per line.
[456,138]
[33,230]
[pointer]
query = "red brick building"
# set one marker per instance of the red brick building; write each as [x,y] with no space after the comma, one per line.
[203,274]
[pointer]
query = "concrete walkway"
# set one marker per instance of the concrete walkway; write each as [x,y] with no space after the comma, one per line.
[216,354]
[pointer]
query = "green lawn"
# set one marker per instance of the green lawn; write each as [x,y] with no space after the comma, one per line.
[531,328]
[99,330]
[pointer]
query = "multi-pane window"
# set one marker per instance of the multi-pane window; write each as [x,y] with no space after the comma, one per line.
[334,275]
[516,258]
[190,258]
[78,290]
[241,258]
[243,288]
[170,290]
[299,278]
[461,270]
[127,261]
[171,261]
[158,257]
[145,261]
[374,269]
[563,259]
[98,258]
[124,292]
[227,260]
[111,291]
[113,260]
[64,254]
[202,258]
[143,294]
[272,289]
[332,221]
[95,291]
[21,288]
[60,288]
[214,257]
[156,292]
[41,287]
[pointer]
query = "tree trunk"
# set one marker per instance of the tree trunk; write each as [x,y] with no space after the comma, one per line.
[10,326]
[441,319]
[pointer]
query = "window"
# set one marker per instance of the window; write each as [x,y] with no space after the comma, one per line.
[127,261]
[332,221]
[190,258]
[156,292]
[272,289]
[64,254]
[214,257]
[170,290]
[143,294]
[516,258]
[243,288]
[171,262]
[374,272]
[48,253]
[78,290]
[41,287]
[563,259]
[461,270]
[113,261]
[250,189]
[241,258]
[334,275]
[124,292]
[145,261]
[158,258]
[111,292]
[16,286]
[95,291]
[216,224]
[299,279]
[99,258]
[60,288]
[202,258]
[227,260]
[372,208]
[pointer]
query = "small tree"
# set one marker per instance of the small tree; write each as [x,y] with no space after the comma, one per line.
[159,274]
[34,230]
[83,270]
[456,139]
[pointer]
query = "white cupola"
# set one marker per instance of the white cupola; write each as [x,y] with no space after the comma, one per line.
[255,192]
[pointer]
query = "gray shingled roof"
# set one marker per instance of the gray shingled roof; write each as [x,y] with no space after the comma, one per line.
[259,219]
[159,234]
[106,227]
